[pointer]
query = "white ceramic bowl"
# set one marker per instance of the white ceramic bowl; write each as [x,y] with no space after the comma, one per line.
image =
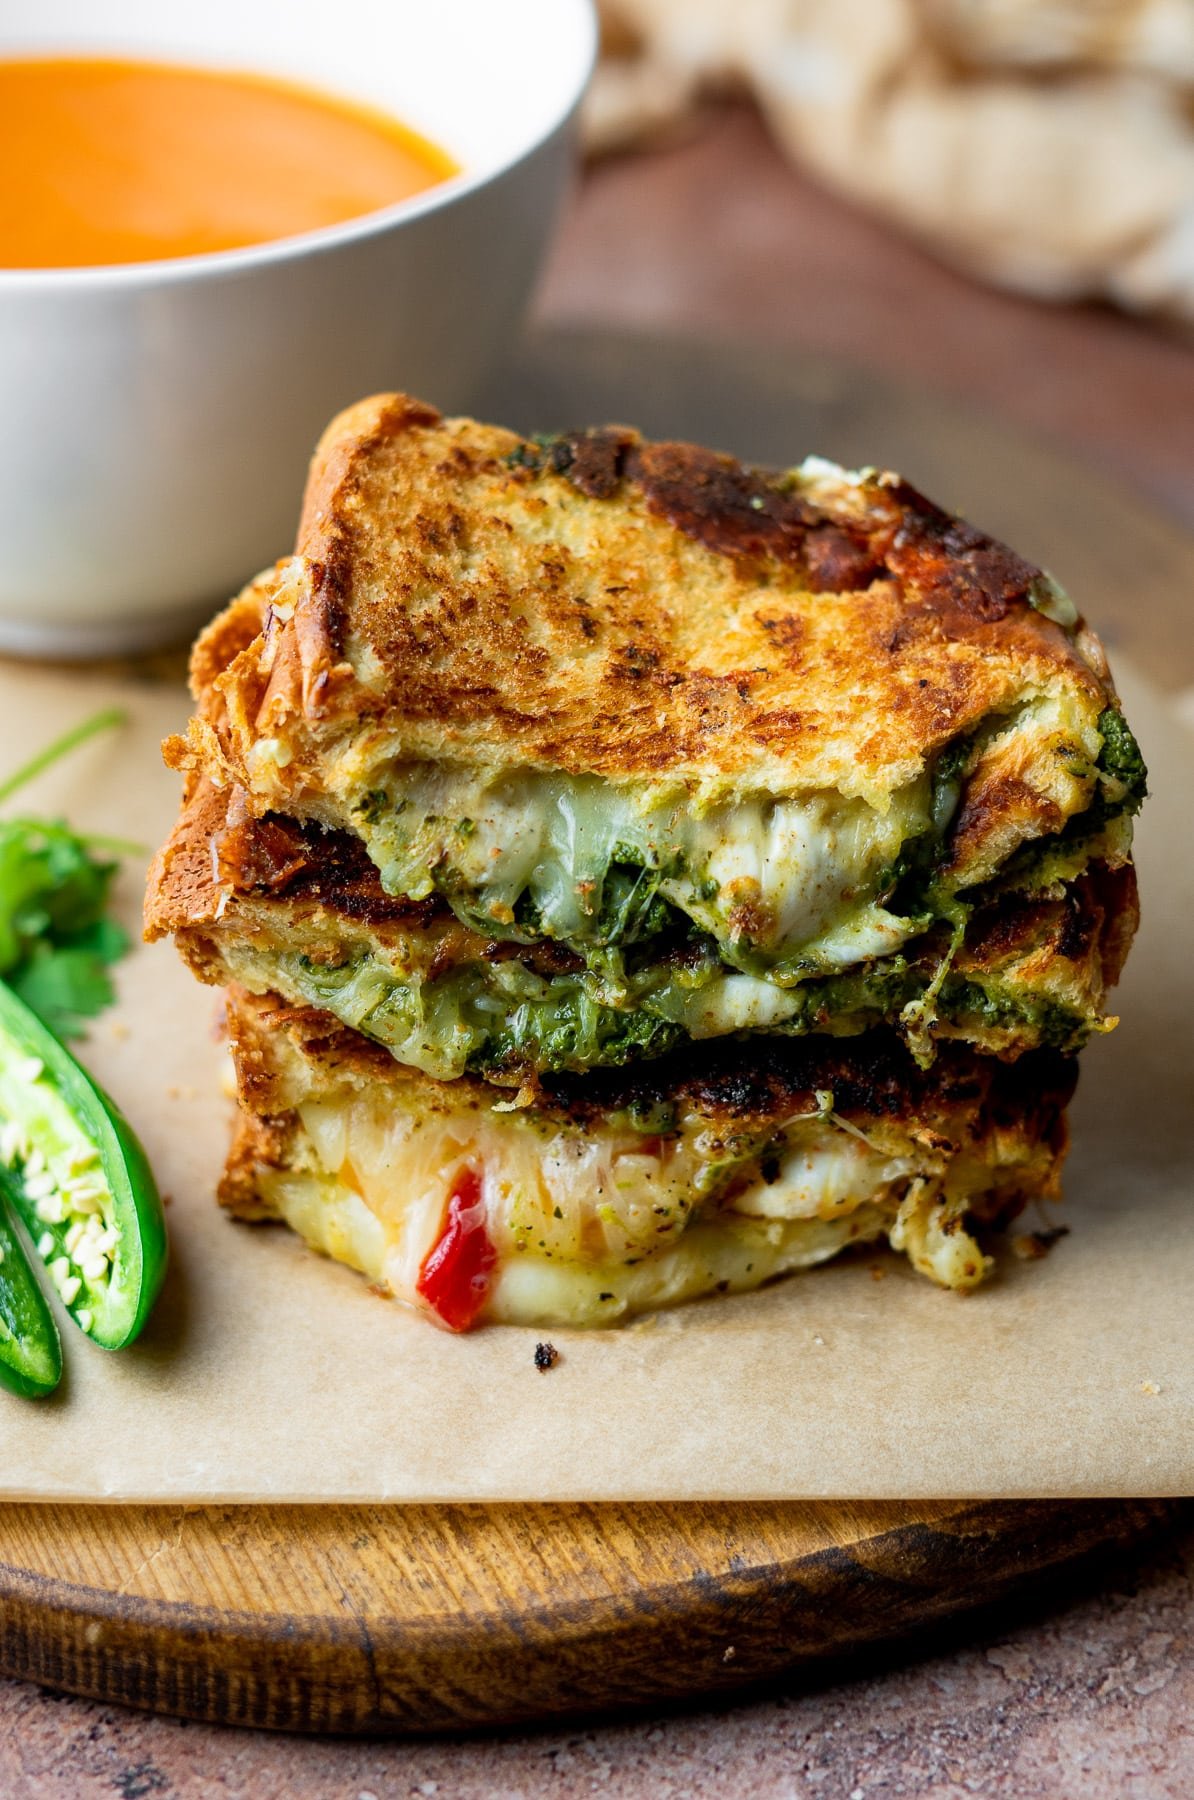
[156,419]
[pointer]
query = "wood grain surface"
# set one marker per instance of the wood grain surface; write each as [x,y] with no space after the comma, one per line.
[415,1619]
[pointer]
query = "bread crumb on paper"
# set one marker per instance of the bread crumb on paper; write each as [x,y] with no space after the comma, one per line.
[1030,1246]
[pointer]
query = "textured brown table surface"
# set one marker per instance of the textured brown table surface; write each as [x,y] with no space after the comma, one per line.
[1091,1692]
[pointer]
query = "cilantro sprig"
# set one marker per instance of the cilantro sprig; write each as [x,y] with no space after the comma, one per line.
[57,942]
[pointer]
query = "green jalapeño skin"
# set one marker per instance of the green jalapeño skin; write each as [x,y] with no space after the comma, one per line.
[80,1184]
[30,1348]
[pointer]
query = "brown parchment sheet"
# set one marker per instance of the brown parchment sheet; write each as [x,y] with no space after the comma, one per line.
[269,1374]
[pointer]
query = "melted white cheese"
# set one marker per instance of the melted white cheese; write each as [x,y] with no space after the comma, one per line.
[821,1179]
[772,877]
[589,1226]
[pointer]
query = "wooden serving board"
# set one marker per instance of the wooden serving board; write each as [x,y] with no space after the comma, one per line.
[422,1618]
[417,1619]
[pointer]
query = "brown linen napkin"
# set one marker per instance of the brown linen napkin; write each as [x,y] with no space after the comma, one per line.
[1046,145]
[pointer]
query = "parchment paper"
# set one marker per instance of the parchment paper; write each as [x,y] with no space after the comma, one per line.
[268,1374]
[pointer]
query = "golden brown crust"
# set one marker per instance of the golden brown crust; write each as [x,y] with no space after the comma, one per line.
[257,1144]
[218,852]
[1067,949]
[334,477]
[624,608]
[256,1023]
[180,888]
[230,633]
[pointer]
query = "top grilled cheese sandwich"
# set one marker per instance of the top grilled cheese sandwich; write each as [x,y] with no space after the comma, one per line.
[748,751]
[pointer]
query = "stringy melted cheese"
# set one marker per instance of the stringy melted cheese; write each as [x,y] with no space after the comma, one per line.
[770,878]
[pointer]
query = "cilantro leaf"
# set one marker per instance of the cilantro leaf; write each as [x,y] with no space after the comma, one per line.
[105,940]
[51,885]
[56,940]
[65,988]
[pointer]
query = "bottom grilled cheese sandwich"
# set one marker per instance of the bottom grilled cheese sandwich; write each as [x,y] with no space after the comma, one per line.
[592,1199]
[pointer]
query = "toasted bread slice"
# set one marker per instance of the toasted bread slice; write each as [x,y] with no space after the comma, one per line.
[603,606]
[612,1194]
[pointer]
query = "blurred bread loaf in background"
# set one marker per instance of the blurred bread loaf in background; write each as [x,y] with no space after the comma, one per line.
[1045,145]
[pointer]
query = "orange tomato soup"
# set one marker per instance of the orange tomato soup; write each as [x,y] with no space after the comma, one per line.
[123,162]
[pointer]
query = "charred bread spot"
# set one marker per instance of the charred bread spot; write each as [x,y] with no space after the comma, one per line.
[953,563]
[987,806]
[334,481]
[633,662]
[1009,928]
[1080,925]
[787,632]
[295,860]
[910,633]
[460,463]
[714,499]
[544,956]
[740,513]
[839,561]
[262,855]
[436,532]
[873,1076]
[777,726]
[594,461]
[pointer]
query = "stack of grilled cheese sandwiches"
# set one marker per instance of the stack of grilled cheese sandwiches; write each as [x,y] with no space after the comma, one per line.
[634,875]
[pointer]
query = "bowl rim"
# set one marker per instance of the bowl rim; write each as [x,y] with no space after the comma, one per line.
[301,246]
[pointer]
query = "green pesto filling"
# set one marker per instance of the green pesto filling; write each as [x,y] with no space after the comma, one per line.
[1104,829]
[502,1019]
[790,889]
[630,890]
[784,886]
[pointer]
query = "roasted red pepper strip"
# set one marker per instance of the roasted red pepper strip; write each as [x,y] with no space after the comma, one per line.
[454,1278]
